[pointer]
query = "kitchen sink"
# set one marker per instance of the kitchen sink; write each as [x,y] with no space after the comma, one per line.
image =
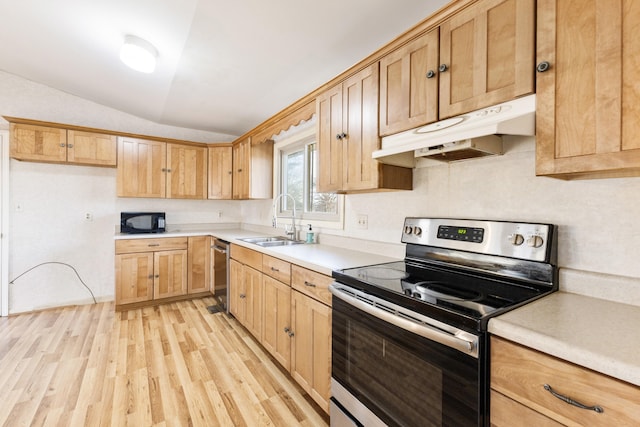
[267,242]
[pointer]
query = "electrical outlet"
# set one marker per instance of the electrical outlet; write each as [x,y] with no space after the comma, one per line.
[363,222]
[88,216]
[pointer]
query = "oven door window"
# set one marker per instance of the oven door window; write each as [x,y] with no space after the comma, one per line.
[405,379]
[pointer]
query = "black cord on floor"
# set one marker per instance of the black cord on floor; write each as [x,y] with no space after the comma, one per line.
[60,263]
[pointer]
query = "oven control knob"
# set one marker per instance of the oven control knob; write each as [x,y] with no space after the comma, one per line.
[417,231]
[516,239]
[535,241]
[408,229]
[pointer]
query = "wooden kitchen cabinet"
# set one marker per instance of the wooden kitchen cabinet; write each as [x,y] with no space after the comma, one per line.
[199,269]
[311,347]
[170,273]
[58,145]
[347,132]
[252,170]
[134,278]
[186,172]
[276,309]
[220,172]
[245,288]
[141,168]
[588,98]
[409,85]
[518,377]
[161,170]
[149,270]
[276,320]
[91,148]
[487,55]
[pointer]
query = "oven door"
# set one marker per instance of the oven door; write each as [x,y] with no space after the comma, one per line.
[391,366]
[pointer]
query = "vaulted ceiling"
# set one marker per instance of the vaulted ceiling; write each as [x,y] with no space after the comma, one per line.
[223,66]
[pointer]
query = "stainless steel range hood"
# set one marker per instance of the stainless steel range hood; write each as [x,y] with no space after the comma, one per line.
[470,135]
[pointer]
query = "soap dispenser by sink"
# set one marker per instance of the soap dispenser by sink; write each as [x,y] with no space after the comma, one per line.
[310,234]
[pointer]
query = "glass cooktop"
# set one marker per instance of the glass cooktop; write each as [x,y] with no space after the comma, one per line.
[463,298]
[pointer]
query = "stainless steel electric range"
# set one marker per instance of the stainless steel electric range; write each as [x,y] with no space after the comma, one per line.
[409,340]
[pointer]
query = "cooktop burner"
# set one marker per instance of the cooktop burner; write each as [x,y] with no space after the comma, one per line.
[467,297]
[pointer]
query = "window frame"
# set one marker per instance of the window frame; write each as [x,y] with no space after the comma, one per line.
[296,139]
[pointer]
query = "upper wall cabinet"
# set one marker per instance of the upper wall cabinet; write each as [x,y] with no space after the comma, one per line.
[158,169]
[409,85]
[220,172]
[57,145]
[487,55]
[588,97]
[252,170]
[347,131]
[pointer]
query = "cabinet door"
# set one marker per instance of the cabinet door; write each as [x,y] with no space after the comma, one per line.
[134,278]
[141,168]
[241,152]
[488,50]
[409,85]
[360,123]
[220,173]
[89,148]
[253,287]
[186,172]
[329,131]
[311,347]
[237,293]
[199,264]
[38,143]
[170,274]
[588,102]
[276,320]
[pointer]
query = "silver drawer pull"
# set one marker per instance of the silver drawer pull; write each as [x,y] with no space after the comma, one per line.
[570,401]
[153,244]
[274,269]
[311,285]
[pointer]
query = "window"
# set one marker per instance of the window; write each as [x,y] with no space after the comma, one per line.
[298,178]
[299,172]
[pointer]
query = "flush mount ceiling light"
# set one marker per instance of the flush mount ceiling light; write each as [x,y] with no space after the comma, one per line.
[138,54]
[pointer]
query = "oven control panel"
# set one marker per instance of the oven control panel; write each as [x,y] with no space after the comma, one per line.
[527,241]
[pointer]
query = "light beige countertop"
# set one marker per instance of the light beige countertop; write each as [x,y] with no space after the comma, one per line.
[595,333]
[317,257]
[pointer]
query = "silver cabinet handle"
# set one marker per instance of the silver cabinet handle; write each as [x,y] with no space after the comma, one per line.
[153,244]
[570,401]
[242,296]
[274,269]
[62,144]
[70,145]
[309,284]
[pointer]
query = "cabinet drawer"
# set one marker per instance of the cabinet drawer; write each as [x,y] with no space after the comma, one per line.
[150,245]
[310,283]
[507,412]
[247,256]
[276,268]
[521,373]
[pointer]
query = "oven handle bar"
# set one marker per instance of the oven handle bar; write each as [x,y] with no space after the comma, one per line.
[468,345]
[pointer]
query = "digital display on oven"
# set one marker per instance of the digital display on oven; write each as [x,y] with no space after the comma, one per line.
[465,234]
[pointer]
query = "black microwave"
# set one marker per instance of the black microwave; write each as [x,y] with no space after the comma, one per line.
[142,222]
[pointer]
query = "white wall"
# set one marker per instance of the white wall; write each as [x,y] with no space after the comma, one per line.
[48,202]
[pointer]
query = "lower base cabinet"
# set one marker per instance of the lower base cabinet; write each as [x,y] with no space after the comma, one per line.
[311,347]
[522,380]
[294,316]
[153,270]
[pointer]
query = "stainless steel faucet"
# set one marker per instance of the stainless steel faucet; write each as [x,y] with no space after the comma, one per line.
[291,233]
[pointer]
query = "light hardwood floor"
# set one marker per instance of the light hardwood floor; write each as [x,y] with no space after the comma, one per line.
[170,365]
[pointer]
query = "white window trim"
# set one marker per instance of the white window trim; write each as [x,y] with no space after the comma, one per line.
[294,135]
